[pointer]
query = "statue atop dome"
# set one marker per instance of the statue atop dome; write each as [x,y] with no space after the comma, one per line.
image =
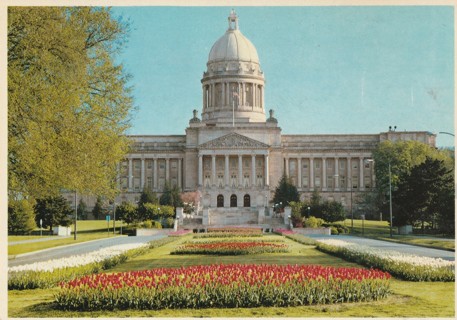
[233,20]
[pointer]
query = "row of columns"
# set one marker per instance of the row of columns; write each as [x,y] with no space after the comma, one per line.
[209,94]
[226,169]
[155,172]
[324,171]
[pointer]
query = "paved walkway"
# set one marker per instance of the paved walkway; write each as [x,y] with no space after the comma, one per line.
[393,246]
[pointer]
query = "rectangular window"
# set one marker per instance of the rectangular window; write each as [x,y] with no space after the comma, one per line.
[342,164]
[367,180]
[354,165]
[329,182]
[317,182]
[317,165]
[354,182]
[149,164]
[304,182]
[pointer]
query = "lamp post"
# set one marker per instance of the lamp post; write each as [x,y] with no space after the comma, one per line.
[114,217]
[390,199]
[309,208]
[76,214]
[350,205]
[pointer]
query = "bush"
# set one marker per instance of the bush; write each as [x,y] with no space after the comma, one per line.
[334,230]
[149,224]
[169,222]
[313,222]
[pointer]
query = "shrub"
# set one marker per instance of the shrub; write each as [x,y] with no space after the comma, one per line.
[313,222]
[149,224]
[334,230]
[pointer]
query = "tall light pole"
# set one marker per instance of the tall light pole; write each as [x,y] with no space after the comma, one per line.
[390,199]
[76,214]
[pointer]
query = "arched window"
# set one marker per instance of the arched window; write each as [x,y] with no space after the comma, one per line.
[247,200]
[220,201]
[233,201]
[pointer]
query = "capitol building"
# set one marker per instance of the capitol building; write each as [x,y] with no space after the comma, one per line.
[233,153]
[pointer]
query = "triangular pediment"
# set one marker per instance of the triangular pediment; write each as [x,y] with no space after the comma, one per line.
[233,141]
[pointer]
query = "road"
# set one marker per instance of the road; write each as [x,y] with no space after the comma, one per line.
[77,249]
[393,246]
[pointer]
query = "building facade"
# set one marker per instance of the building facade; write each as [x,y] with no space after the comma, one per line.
[234,154]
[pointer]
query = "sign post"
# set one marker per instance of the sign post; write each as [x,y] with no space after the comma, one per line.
[107,221]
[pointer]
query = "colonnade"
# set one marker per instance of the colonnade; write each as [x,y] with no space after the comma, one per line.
[355,173]
[154,174]
[233,90]
[240,171]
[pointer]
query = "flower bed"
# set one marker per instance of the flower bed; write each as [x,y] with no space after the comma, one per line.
[179,233]
[284,231]
[231,248]
[235,229]
[403,266]
[223,286]
[226,234]
[49,273]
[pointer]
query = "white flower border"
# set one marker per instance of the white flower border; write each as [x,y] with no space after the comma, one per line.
[394,256]
[78,260]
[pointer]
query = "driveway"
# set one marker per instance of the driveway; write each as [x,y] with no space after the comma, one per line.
[392,246]
[77,249]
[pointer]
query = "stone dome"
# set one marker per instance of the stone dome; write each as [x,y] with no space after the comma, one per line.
[233,45]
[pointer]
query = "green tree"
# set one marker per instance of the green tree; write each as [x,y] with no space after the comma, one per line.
[419,193]
[97,211]
[285,192]
[21,217]
[82,210]
[296,215]
[54,211]
[171,196]
[402,157]
[127,212]
[68,101]
[146,197]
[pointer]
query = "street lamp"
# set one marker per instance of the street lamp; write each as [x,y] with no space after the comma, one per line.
[76,214]
[390,199]
[309,208]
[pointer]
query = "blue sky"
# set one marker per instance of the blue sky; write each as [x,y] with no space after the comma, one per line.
[327,69]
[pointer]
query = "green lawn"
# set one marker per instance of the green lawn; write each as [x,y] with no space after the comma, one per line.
[86,231]
[409,299]
[380,230]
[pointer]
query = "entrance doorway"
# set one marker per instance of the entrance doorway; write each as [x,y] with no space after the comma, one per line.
[247,200]
[220,201]
[233,201]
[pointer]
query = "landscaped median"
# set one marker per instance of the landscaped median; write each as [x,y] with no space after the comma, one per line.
[223,286]
[403,266]
[49,273]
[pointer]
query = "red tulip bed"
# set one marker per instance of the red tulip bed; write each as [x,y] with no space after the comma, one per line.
[223,286]
[234,247]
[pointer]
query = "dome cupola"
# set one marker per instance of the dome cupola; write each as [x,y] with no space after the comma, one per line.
[233,84]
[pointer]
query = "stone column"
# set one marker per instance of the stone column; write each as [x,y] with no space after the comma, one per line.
[244,93]
[253,170]
[167,169]
[337,174]
[324,173]
[240,170]
[204,97]
[299,172]
[287,166]
[349,173]
[227,93]
[311,173]
[254,86]
[142,174]
[130,175]
[223,94]
[179,173]
[213,169]
[226,171]
[155,173]
[262,97]
[361,184]
[267,177]
[200,170]
[213,95]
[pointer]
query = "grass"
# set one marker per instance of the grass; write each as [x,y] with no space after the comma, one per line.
[380,230]
[86,231]
[409,299]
